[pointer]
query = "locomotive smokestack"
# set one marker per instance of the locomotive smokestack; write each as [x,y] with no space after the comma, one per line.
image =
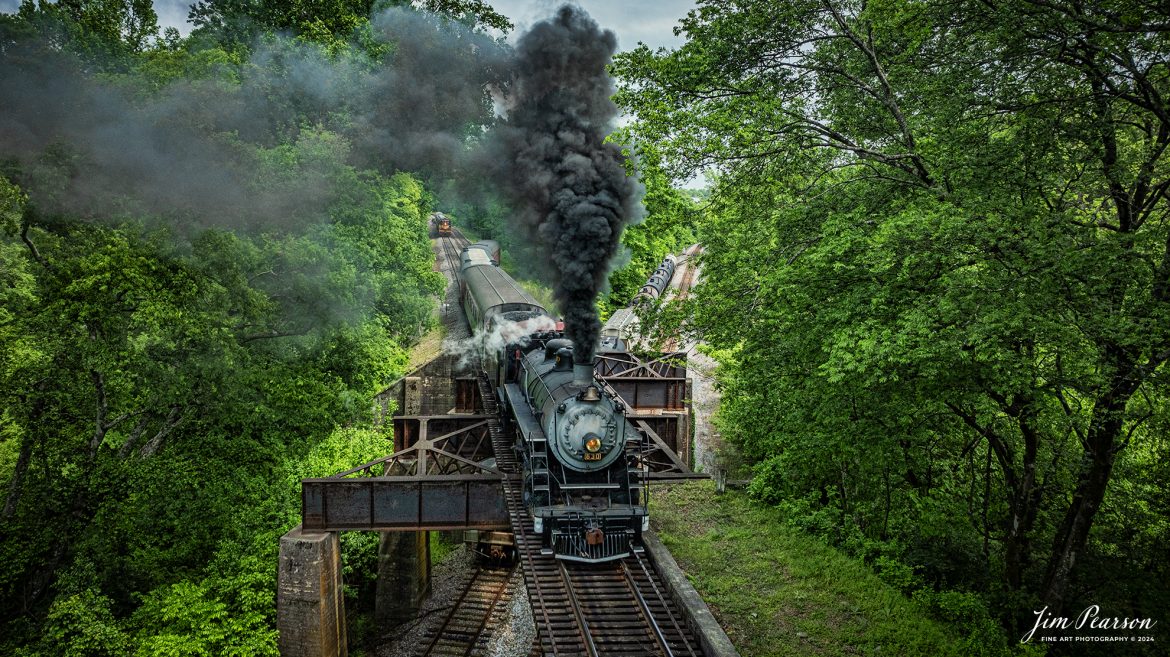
[582,374]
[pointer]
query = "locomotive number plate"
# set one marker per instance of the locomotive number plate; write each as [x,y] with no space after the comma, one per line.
[592,457]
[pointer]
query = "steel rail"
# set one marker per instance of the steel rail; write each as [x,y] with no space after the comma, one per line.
[506,462]
[646,613]
[483,578]
[560,605]
[663,599]
[586,634]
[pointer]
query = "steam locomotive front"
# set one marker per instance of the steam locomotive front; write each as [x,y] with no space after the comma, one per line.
[585,430]
[585,503]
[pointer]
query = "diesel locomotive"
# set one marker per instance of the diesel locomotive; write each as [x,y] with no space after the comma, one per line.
[440,225]
[582,483]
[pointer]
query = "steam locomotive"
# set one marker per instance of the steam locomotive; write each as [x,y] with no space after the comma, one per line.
[579,452]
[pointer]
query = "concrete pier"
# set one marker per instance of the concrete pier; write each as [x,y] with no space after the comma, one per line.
[404,576]
[310,603]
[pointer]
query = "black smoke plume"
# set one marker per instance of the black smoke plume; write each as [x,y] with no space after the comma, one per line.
[86,146]
[570,186]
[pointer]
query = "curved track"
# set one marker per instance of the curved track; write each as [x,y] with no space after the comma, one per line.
[450,248]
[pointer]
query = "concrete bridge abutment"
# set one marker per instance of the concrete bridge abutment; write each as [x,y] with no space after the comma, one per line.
[310,599]
[310,602]
[404,576]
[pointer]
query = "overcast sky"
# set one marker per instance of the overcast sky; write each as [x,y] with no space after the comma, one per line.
[648,21]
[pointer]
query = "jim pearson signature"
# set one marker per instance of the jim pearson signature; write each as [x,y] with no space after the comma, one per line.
[1089,618]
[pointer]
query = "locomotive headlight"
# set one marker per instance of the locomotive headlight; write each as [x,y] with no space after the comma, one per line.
[592,444]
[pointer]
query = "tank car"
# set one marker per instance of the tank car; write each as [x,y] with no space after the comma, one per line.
[658,281]
[623,326]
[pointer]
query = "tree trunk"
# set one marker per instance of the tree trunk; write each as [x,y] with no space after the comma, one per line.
[1101,447]
[16,484]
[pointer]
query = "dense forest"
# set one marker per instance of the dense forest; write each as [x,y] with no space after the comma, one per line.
[936,278]
[214,252]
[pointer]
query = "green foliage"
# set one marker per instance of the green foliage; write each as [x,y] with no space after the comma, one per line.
[332,23]
[440,549]
[937,254]
[190,618]
[99,30]
[778,591]
[166,382]
[152,388]
[668,227]
[228,606]
[82,625]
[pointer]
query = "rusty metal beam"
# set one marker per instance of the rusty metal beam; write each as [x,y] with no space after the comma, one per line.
[672,464]
[654,383]
[404,503]
[667,393]
[624,363]
[673,477]
[455,452]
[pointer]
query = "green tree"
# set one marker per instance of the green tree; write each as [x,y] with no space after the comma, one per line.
[667,228]
[323,21]
[167,376]
[143,384]
[98,28]
[942,226]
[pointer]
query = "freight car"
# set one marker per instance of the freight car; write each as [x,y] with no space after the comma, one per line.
[656,284]
[623,326]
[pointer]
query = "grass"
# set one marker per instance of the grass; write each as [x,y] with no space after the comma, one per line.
[777,591]
[429,346]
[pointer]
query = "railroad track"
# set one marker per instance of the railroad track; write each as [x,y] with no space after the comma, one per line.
[462,632]
[587,610]
[452,246]
[688,280]
[684,287]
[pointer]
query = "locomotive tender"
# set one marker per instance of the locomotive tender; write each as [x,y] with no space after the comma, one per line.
[579,451]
